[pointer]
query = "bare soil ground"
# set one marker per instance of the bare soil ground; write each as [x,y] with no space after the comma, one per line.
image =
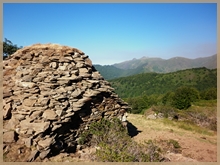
[194,146]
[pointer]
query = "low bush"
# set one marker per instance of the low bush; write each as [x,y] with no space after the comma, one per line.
[115,145]
[170,145]
[174,143]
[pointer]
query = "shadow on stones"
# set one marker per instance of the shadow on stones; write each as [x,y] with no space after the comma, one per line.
[132,130]
[65,142]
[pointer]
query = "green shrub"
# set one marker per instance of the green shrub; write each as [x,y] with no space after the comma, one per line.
[174,143]
[84,138]
[129,152]
[170,145]
[210,94]
[184,96]
[115,145]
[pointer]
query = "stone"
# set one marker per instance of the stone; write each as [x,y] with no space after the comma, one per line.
[74,72]
[42,74]
[88,62]
[66,120]
[96,75]
[79,65]
[75,108]
[50,115]
[66,59]
[64,82]
[61,90]
[151,116]
[45,60]
[76,93]
[34,90]
[12,123]
[7,92]
[9,137]
[27,78]
[77,105]
[32,156]
[35,115]
[29,102]
[90,93]
[44,154]
[26,84]
[46,143]
[59,112]
[160,115]
[83,70]
[19,116]
[37,127]
[27,110]
[72,52]
[54,65]
[62,68]
[7,111]
[56,127]
[28,142]
[69,114]
[27,56]
[38,79]
[43,101]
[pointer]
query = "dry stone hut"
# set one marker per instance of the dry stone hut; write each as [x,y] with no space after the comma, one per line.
[51,94]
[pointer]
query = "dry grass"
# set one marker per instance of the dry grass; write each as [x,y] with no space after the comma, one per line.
[165,126]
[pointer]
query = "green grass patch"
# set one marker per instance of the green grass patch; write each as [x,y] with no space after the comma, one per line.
[205,103]
[189,126]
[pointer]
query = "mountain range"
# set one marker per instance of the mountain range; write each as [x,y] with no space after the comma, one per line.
[157,65]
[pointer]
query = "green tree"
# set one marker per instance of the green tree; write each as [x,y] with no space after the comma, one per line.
[167,99]
[184,96]
[9,48]
[210,94]
[138,104]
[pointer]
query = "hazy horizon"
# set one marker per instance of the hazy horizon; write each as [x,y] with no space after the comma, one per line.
[153,57]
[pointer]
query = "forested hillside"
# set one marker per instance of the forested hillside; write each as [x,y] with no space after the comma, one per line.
[109,71]
[160,83]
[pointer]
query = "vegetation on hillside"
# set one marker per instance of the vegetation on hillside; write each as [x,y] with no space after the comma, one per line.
[190,95]
[156,83]
[182,98]
[115,145]
[109,72]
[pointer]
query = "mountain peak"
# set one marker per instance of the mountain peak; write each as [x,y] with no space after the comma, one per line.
[156,64]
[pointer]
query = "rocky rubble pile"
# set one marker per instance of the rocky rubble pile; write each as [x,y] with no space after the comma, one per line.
[51,94]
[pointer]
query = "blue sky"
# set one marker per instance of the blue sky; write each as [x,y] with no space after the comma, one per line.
[116,32]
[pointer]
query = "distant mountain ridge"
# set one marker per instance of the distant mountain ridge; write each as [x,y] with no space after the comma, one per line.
[157,65]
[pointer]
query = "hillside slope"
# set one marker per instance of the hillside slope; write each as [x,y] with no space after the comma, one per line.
[160,83]
[195,147]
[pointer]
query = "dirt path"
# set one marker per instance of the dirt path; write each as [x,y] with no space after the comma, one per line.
[195,147]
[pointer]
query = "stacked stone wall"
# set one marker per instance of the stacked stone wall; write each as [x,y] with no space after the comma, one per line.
[51,94]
